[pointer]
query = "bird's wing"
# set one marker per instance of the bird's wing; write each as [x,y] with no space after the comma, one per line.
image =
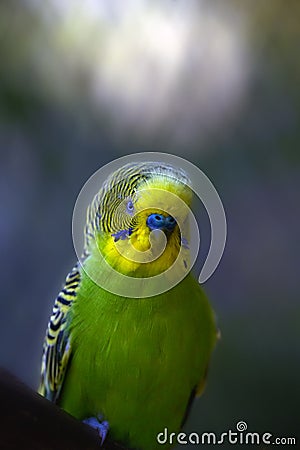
[57,347]
[202,384]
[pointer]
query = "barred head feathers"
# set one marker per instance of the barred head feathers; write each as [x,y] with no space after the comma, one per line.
[112,209]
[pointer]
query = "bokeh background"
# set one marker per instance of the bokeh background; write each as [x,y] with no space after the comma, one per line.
[216,82]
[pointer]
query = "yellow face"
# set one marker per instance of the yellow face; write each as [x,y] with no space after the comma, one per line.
[158,223]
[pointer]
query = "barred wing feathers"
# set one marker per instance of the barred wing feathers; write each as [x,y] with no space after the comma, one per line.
[57,347]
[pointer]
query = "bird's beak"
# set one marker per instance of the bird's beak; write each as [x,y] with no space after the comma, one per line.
[161,222]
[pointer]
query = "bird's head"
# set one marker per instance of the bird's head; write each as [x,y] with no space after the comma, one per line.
[138,220]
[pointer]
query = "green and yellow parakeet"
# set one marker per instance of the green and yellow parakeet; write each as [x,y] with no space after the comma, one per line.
[136,363]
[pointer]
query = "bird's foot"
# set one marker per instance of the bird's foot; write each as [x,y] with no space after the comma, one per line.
[101,427]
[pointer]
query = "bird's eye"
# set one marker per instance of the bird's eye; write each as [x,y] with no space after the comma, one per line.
[130,207]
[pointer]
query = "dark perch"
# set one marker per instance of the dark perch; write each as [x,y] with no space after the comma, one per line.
[29,421]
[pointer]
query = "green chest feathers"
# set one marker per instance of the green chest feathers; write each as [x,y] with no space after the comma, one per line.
[136,361]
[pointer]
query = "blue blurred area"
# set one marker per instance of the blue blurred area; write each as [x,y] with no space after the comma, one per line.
[56,130]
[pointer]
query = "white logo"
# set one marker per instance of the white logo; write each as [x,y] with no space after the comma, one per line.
[110,278]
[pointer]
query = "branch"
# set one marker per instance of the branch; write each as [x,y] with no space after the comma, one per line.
[28,420]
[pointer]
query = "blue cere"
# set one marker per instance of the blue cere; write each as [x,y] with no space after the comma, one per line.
[101,427]
[160,222]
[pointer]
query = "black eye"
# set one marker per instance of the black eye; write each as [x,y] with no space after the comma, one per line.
[130,206]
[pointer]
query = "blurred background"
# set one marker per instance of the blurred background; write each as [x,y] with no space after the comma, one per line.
[216,82]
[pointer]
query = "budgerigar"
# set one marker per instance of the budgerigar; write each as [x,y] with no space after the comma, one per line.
[133,363]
